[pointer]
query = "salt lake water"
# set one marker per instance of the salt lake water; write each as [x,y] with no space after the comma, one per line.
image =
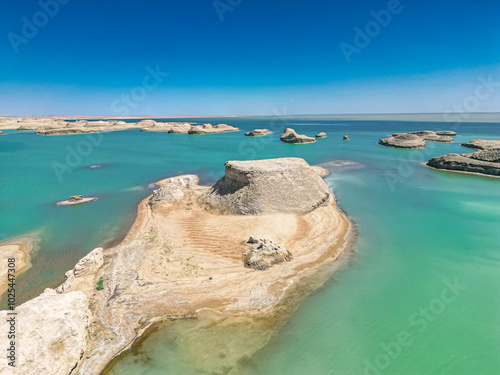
[420,294]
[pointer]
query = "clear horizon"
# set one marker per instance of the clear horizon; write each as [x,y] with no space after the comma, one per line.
[242,58]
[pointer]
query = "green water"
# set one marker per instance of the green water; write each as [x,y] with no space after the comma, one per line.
[388,310]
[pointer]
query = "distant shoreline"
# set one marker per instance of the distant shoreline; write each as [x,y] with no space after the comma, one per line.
[406,117]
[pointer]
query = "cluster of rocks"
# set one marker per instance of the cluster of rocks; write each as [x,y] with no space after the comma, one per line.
[286,185]
[485,161]
[264,254]
[417,140]
[291,136]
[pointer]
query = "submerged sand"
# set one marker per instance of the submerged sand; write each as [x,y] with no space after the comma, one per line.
[19,250]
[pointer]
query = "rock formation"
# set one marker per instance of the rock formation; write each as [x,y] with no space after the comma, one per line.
[51,334]
[76,199]
[174,189]
[404,141]
[415,140]
[450,133]
[67,131]
[321,135]
[181,260]
[287,185]
[346,138]
[485,161]
[180,129]
[209,129]
[87,265]
[290,136]
[481,144]
[258,133]
[162,126]
[1,132]
[431,136]
[264,254]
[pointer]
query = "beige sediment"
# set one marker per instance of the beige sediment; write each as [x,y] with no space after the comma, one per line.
[162,269]
[20,250]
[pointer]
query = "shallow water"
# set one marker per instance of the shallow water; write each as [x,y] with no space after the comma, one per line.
[425,267]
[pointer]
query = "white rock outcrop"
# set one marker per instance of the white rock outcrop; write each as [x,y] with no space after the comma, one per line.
[51,334]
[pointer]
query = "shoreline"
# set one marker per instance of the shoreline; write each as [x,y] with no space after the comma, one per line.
[188,279]
[271,319]
[19,248]
[461,172]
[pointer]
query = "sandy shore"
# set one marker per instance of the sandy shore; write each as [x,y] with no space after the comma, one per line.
[19,249]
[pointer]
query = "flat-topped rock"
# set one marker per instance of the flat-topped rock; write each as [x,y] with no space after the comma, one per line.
[51,335]
[321,135]
[414,140]
[291,136]
[450,133]
[403,141]
[163,126]
[287,185]
[481,144]
[486,161]
[258,133]
[76,199]
[180,129]
[67,131]
[209,129]
[431,136]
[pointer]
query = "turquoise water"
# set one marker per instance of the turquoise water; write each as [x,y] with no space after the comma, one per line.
[420,294]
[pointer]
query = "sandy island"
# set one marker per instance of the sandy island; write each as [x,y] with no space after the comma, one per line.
[184,258]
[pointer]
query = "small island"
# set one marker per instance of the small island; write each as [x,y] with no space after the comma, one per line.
[416,140]
[76,199]
[241,250]
[485,161]
[290,136]
[258,133]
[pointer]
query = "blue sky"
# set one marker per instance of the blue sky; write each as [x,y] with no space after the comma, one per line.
[236,57]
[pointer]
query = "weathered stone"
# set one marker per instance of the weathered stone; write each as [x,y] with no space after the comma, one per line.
[447,132]
[484,161]
[264,254]
[290,136]
[258,133]
[404,141]
[209,129]
[481,144]
[287,185]
[321,135]
[174,189]
[51,334]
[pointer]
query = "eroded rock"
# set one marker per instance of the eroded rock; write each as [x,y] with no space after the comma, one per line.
[291,136]
[264,254]
[287,185]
